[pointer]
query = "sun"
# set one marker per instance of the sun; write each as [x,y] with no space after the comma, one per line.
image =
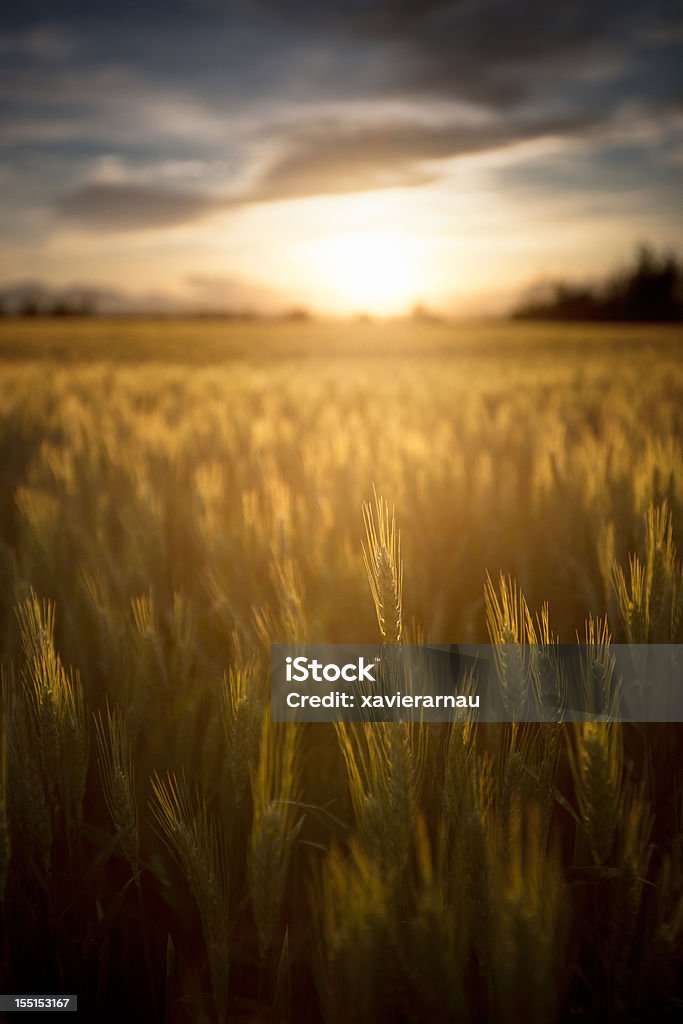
[370,272]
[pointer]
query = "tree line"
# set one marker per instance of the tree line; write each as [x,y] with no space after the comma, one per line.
[650,289]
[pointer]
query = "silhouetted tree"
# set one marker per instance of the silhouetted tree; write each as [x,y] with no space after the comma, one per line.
[650,290]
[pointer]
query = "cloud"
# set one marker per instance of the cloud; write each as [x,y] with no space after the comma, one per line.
[130,207]
[333,157]
[114,207]
[327,158]
[337,159]
[110,169]
[493,52]
[42,43]
[220,103]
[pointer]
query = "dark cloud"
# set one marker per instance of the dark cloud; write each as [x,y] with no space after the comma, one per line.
[329,157]
[333,157]
[127,207]
[219,78]
[493,52]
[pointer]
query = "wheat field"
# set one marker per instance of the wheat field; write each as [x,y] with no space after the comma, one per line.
[179,495]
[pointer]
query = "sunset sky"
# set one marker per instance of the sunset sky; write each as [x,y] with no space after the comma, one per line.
[351,156]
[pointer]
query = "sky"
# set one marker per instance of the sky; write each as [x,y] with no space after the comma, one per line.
[349,156]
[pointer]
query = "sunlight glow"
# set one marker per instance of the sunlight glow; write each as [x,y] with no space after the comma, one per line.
[371,272]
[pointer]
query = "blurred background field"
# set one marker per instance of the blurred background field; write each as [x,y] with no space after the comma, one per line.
[187,492]
[212,340]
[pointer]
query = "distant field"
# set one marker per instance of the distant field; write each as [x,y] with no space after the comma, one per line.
[211,340]
[187,493]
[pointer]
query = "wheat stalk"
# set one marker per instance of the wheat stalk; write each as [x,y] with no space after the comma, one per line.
[196,841]
[241,720]
[507,615]
[275,790]
[118,783]
[56,700]
[596,760]
[384,567]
